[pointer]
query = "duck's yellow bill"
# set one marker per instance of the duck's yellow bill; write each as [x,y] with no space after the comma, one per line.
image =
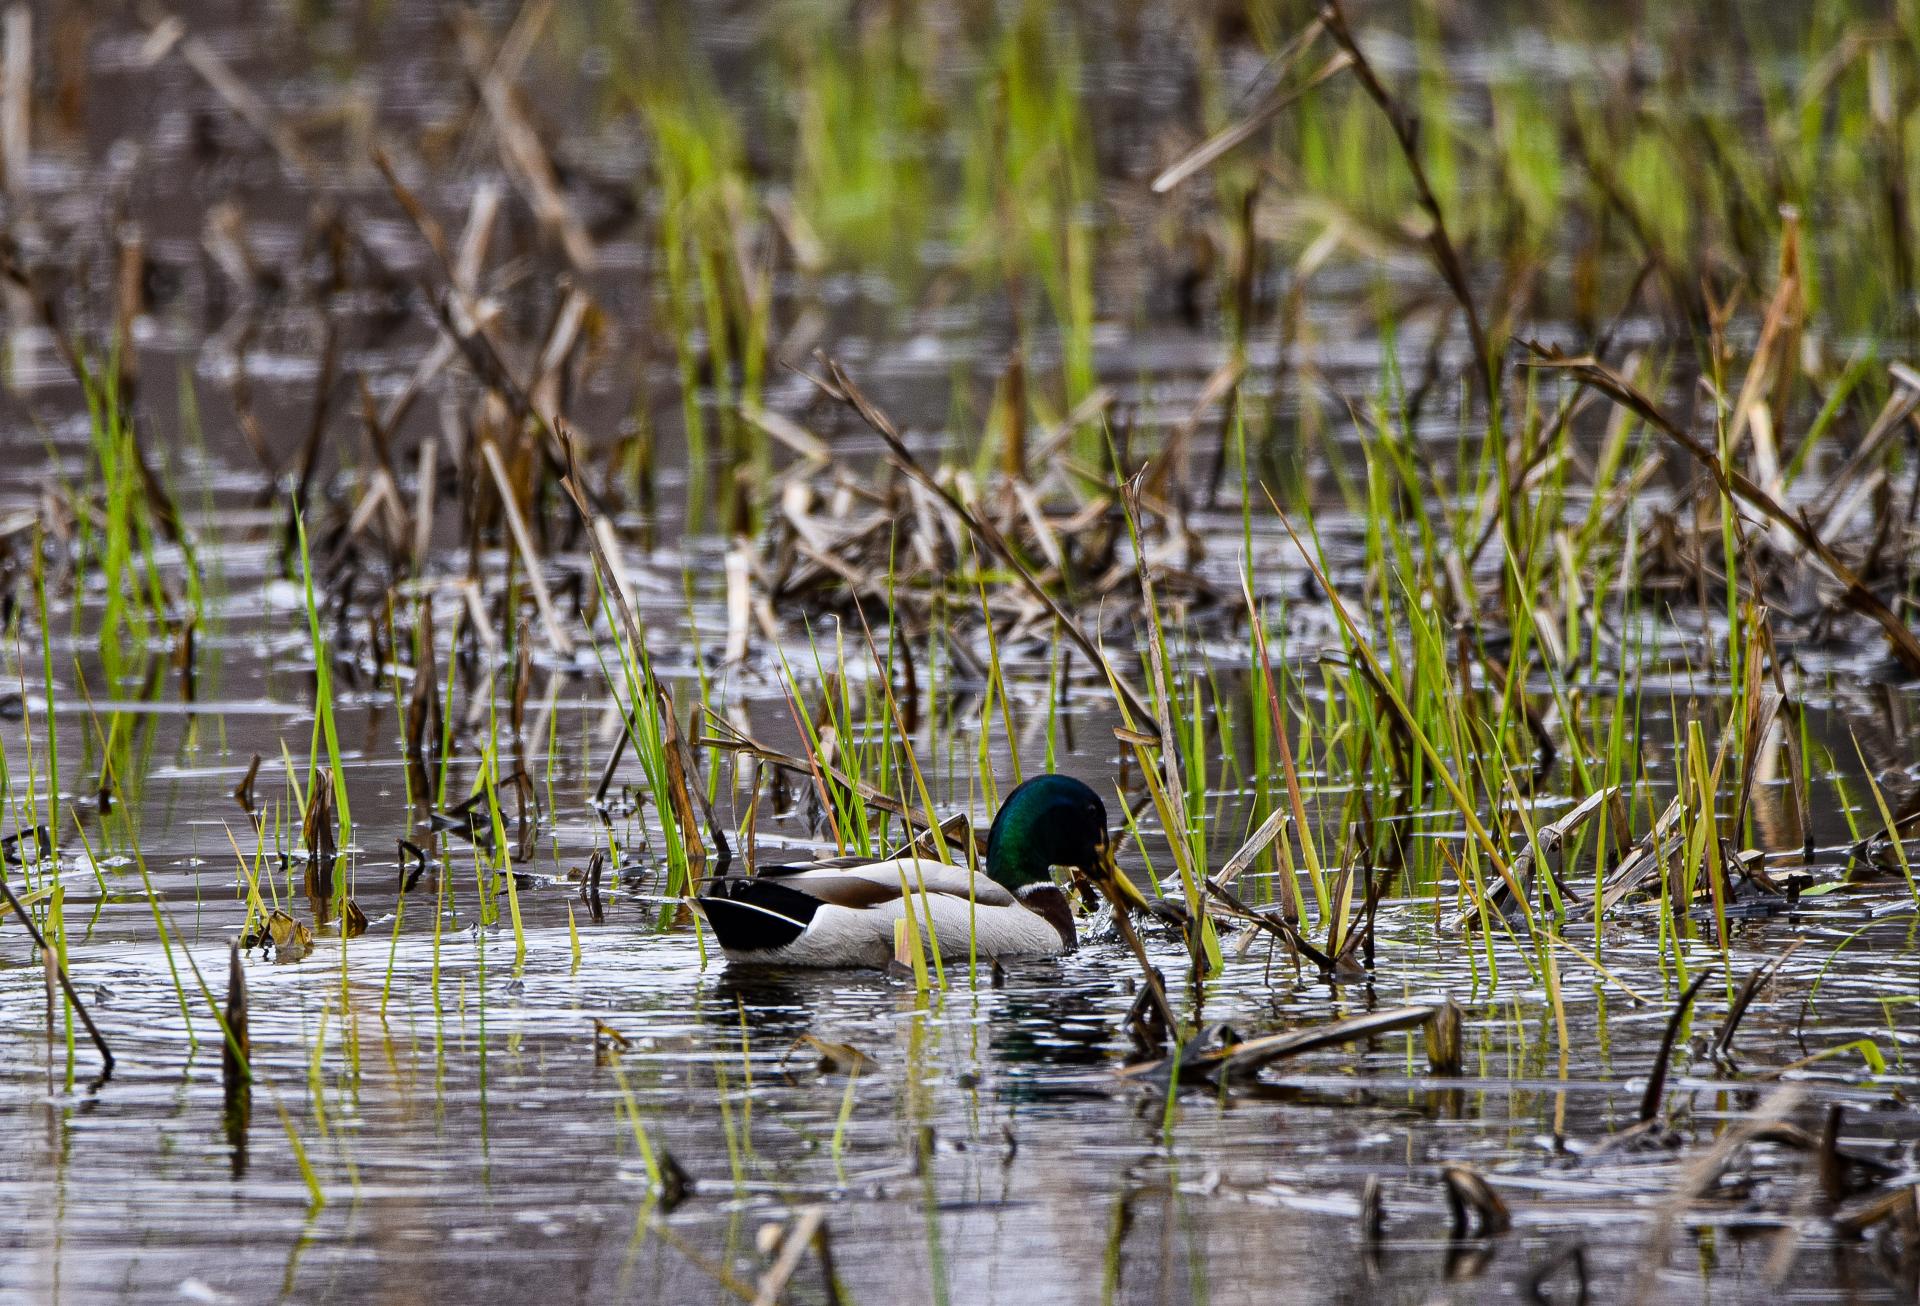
[1123,888]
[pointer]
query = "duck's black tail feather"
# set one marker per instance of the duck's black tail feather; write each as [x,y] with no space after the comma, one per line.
[757,915]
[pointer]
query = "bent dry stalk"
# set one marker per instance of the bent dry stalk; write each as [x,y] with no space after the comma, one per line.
[60,973]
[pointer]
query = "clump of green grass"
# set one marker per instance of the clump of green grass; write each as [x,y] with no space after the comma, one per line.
[1029,185]
[716,272]
[866,122]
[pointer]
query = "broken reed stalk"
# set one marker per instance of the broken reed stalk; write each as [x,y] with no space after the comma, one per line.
[60,973]
[1275,923]
[1250,1055]
[1255,844]
[808,1227]
[1737,485]
[1476,1209]
[1657,1079]
[529,556]
[1547,840]
[840,386]
[236,1051]
[1228,138]
[1446,1042]
[460,317]
[168,31]
[1828,1167]
[1722,1046]
[524,157]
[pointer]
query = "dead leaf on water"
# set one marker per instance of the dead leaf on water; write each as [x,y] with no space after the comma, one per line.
[836,1058]
[291,938]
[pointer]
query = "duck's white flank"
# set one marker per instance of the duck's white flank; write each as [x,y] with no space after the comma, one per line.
[962,912]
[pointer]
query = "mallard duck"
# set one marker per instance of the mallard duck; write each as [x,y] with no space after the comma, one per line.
[841,912]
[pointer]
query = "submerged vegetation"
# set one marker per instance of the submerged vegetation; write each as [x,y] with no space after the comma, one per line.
[1448,479]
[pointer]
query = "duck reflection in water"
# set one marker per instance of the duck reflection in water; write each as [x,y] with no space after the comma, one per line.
[1040,1023]
[778,1005]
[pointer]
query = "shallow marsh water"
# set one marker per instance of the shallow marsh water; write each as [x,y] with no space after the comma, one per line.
[475,1143]
[470,1135]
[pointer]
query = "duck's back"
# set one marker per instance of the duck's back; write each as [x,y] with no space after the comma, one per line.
[842,913]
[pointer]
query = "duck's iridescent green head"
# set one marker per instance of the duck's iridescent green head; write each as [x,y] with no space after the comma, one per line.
[1051,820]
